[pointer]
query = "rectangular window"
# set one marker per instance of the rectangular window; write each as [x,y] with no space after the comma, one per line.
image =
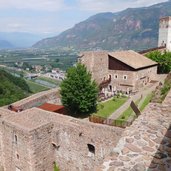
[125,77]
[116,76]
[15,139]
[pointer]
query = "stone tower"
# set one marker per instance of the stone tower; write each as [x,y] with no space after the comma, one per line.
[165,33]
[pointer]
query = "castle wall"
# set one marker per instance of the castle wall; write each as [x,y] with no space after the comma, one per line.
[146,144]
[97,64]
[39,98]
[15,152]
[72,145]
[42,152]
[44,137]
[26,151]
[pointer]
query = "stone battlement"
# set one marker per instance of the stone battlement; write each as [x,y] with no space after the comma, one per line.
[34,139]
[38,99]
[147,143]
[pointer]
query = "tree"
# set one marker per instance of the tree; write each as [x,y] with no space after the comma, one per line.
[57,60]
[79,92]
[163,59]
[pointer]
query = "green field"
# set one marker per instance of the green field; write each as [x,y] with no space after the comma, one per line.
[35,88]
[146,101]
[129,112]
[50,80]
[53,57]
[107,108]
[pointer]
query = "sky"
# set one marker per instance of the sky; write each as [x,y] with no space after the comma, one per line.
[54,16]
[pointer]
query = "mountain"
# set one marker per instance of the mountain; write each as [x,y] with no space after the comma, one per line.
[11,88]
[20,39]
[5,44]
[133,28]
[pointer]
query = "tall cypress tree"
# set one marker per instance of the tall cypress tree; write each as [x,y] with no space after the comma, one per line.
[78,91]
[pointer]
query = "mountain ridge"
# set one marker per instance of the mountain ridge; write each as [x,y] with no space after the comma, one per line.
[133,28]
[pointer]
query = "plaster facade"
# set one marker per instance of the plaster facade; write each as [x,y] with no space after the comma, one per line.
[165,33]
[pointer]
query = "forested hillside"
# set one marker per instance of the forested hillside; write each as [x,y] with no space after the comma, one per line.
[11,88]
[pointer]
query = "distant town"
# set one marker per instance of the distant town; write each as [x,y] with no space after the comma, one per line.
[41,68]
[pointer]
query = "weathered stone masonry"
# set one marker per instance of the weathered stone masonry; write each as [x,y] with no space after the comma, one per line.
[34,139]
[146,145]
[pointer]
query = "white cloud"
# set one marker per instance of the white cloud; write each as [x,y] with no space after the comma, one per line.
[113,5]
[33,4]
[17,15]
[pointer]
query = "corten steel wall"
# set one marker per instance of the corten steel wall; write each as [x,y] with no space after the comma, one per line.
[115,64]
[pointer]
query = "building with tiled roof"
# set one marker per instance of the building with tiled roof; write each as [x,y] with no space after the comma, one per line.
[125,71]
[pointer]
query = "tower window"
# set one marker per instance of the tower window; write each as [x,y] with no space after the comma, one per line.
[15,139]
[125,77]
[91,148]
[18,157]
[115,76]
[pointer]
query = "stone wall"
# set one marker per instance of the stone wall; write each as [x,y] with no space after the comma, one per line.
[39,98]
[142,77]
[97,64]
[45,137]
[15,148]
[120,83]
[42,150]
[73,141]
[146,145]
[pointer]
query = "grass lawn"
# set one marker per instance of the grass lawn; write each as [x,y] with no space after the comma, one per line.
[146,101]
[107,108]
[35,88]
[128,112]
[50,80]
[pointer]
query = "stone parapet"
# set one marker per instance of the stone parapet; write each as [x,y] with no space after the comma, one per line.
[146,145]
[39,98]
